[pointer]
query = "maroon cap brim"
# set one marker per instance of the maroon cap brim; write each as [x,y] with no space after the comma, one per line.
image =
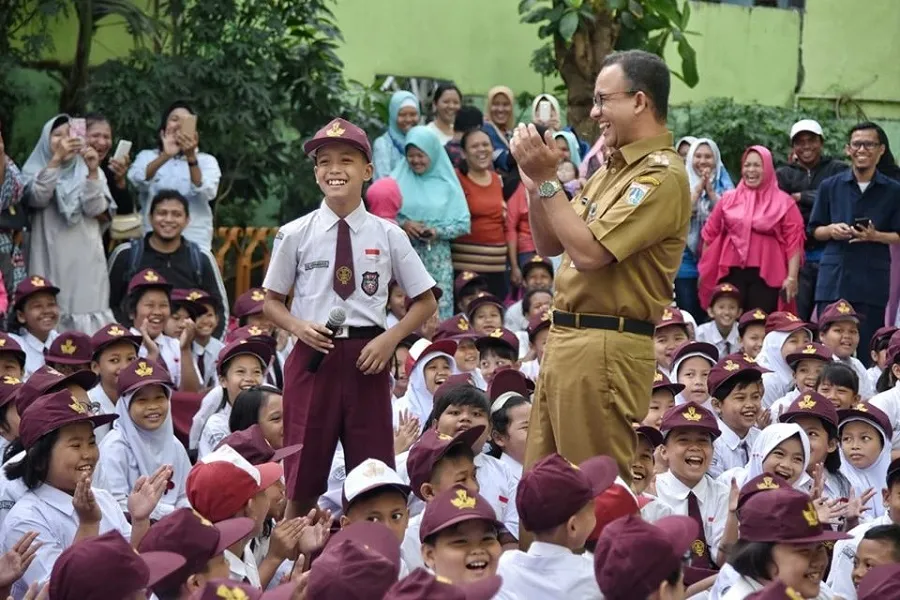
[231,531]
[675,388]
[50,289]
[83,379]
[462,518]
[285,452]
[67,360]
[601,471]
[144,382]
[483,589]
[827,535]
[161,564]
[787,416]
[284,591]
[653,435]
[136,340]
[314,144]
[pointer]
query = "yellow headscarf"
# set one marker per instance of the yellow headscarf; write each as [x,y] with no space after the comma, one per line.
[494,91]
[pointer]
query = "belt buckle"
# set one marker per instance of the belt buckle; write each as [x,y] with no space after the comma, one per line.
[342,332]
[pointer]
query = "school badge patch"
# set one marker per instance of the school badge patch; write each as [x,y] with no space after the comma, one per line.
[636,193]
[370,283]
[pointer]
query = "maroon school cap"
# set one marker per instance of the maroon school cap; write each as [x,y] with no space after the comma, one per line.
[467,278]
[661,382]
[764,482]
[652,435]
[454,381]
[181,299]
[430,449]
[502,336]
[536,261]
[113,334]
[893,352]
[812,404]
[837,311]
[421,584]
[455,506]
[538,323]
[689,415]
[251,346]
[190,535]
[141,373]
[31,286]
[893,468]
[9,387]
[757,316]
[633,557]
[148,278]
[340,131]
[671,316]
[9,344]
[249,303]
[784,321]
[870,413]
[251,333]
[53,411]
[725,290]
[226,589]
[783,515]
[811,351]
[46,380]
[223,481]
[776,590]
[362,560]
[691,349]
[880,583]
[70,348]
[251,443]
[881,334]
[202,297]
[729,367]
[613,504]
[482,299]
[455,328]
[554,489]
[74,575]
[510,380]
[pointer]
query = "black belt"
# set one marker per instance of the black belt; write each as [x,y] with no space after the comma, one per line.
[620,324]
[358,333]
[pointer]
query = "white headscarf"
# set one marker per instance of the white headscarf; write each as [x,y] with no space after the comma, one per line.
[72,174]
[421,401]
[874,476]
[208,407]
[765,443]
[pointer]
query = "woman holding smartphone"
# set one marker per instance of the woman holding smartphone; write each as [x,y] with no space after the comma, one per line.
[176,164]
[100,138]
[67,190]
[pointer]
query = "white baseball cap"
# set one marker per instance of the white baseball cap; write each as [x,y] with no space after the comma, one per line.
[806,125]
[369,475]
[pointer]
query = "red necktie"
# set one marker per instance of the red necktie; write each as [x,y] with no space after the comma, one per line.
[699,548]
[344,278]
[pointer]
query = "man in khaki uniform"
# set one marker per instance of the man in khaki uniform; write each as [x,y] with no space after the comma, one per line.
[623,244]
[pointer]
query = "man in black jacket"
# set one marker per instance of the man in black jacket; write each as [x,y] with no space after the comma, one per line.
[801,179]
[183,264]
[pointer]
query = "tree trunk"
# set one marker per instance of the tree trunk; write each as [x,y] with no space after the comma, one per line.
[72,99]
[579,64]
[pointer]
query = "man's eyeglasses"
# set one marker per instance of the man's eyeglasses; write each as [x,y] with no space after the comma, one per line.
[600,98]
[868,145]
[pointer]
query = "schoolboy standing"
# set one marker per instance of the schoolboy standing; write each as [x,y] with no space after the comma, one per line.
[340,256]
[724,311]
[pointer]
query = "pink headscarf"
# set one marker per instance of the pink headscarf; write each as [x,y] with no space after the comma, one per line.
[593,160]
[383,198]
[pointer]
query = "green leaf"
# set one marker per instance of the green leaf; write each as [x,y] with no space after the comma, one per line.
[635,8]
[667,9]
[526,6]
[568,25]
[616,4]
[685,14]
[537,15]
[627,20]
[688,63]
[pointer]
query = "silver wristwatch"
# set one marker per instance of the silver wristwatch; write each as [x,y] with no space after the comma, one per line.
[549,188]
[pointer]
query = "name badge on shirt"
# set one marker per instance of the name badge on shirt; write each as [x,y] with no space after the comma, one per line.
[319,264]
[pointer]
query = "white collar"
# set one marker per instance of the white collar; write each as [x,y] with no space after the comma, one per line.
[56,498]
[730,438]
[548,549]
[679,490]
[355,219]
[37,344]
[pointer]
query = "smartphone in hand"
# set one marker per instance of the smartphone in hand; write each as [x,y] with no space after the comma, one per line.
[861,222]
[78,128]
[543,111]
[189,125]
[123,149]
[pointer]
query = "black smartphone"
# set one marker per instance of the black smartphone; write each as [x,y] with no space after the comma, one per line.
[861,222]
[425,234]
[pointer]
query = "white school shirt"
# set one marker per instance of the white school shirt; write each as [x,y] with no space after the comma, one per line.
[169,353]
[712,497]
[524,344]
[175,174]
[209,354]
[333,498]
[243,569]
[840,577]
[866,388]
[302,260]
[34,349]
[11,490]
[118,473]
[531,369]
[214,431]
[515,467]
[101,404]
[889,403]
[411,548]
[709,333]
[514,319]
[49,512]
[498,486]
[727,452]
[656,509]
[546,571]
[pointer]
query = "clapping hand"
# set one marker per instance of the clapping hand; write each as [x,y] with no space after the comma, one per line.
[285,540]
[187,142]
[147,493]
[315,534]
[187,334]
[148,343]
[85,504]
[406,432]
[14,563]
[536,156]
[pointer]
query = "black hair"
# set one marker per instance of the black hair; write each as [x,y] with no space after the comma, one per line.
[247,406]
[887,380]
[526,299]
[442,88]
[92,118]
[886,533]
[12,449]
[468,119]
[645,73]
[865,126]
[675,576]
[840,375]
[34,468]
[887,164]
[738,382]
[893,478]
[134,298]
[165,118]
[500,421]
[752,559]
[167,194]
[880,343]
[499,348]
[469,133]
[742,329]
[460,395]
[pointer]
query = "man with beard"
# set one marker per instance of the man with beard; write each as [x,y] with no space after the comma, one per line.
[181,262]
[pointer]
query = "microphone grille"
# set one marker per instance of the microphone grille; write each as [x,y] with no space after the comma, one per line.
[337,316]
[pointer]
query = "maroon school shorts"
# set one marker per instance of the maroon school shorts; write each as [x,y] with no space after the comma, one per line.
[335,403]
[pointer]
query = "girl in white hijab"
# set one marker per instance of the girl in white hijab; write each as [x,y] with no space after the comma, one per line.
[865,435]
[66,188]
[777,345]
[425,377]
[143,439]
[771,454]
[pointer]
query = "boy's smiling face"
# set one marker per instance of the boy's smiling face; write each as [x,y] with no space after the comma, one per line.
[642,467]
[666,340]
[724,311]
[741,407]
[464,553]
[689,452]
[341,170]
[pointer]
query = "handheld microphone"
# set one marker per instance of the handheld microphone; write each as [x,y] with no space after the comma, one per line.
[336,318]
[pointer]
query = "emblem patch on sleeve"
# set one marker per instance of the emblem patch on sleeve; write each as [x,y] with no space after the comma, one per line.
[636,193]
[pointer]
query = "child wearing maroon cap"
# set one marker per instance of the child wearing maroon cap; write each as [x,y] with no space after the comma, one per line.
[785,334]
[12,357]
[421,584]
[9,417]
[57,432]
[643,474]
[497,349]
[248,309]
[661,399]
[143,439]
[537,274]
[722,329]
[736,388]
[432,363]
[839,331]
[691,365]
[865,432]
[807,363]
[510,414]
[879,546]
[33,319]
[71,351]
[538,332]
[114,349]
[878,351]
[752,330]
[485,313]
[466,287]
[671,332]
[555,500]
[206,346]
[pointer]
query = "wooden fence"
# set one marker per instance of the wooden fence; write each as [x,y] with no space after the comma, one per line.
[243,255]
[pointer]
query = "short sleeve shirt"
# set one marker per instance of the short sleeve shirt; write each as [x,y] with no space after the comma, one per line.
[639,208]
[303,259]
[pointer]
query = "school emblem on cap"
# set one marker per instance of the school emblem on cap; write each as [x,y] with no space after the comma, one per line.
[749,359]
[698,547]
[68,347]
[369,283]
[467,275]
[257,296]
[691,414]
[812,518]
[463,500]
[861,407]
[666,316]
[143,370]
[727,288]
[38,282]
[791,317]
[203,520]
[658,377]
[2,342]
[10,380]
[843,308]
[462,324]
[335,131]
[442,579]
[810,349]
[78,407]
[254,330]
[792,594]
[767,484]
[53,371]
[151,277]
[807,402]
[444,437]
[231,593]
[536,258]
[373,469]
[115,331]
[195,295]
[758,314]
[497,333]
[731,365]
[344,274]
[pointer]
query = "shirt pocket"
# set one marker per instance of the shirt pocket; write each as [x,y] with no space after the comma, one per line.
[375,274]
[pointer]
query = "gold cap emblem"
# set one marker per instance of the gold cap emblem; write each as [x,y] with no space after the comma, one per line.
[812,518]
[143,370]
[78,407]
[115,331]
[462,324]
[758,314]
[68,347]
[195,295]
[666,316]
[444,437]
[38,282]
[2,342]
[335,130]
[231,593]
[791,317]
[10,380]
[767,483]
[151,276]
[658,377]
[749,359]
[809,349]
[463,500]
[442,579]
[727,288]
[467,275]
[843,308]
[497,333]
[257,296]
[793,594]
[861,407]
[807,402]
[731,365]
[203,520]
[691,414]
[537,259]
[254,330]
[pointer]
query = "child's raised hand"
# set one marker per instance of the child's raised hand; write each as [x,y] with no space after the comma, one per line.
[763,419]
[148,343]
[36,593]
[406,432]
[85,504]
[857,505]
[830,511]
[14,563]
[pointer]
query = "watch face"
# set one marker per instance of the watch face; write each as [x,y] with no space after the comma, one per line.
[548,188]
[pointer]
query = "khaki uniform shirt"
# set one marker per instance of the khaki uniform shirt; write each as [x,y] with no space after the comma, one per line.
[639,208]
